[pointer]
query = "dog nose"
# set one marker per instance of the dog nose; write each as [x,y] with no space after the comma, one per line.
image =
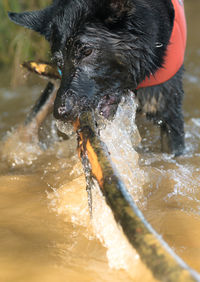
[63,108]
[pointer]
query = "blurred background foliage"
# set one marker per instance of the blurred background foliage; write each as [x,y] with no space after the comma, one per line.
[18,44]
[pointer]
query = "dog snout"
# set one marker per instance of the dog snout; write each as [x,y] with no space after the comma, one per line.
[64,106]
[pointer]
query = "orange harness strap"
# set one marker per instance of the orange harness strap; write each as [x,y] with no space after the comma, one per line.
[175,50]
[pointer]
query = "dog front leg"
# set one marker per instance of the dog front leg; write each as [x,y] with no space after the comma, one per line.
[39,112]
[22,144]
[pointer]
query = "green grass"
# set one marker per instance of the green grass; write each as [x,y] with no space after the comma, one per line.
[18,44]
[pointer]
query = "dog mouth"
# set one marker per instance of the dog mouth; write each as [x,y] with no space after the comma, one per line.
[72,106]
[104,111]
[107,106]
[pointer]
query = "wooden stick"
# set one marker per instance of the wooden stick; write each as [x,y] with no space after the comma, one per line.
[164,264]
[43,69]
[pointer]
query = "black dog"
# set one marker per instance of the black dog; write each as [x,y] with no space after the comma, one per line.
[105,48]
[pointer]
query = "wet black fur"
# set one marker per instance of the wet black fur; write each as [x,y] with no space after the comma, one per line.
[105,48]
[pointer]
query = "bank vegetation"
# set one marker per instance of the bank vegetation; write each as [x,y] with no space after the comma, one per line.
[16,43]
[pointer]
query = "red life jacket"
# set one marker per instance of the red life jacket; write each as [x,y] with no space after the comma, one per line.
[175,51]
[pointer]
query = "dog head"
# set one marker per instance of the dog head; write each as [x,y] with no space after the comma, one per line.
[93,47]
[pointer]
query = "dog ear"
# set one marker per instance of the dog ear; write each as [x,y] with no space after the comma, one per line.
[38,21]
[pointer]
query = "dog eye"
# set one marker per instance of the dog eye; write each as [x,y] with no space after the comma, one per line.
[86,51]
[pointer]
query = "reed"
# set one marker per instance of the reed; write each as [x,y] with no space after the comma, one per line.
[16,43]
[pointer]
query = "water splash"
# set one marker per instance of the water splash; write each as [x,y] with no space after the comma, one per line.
[20,147]
[120,137]
[70,199]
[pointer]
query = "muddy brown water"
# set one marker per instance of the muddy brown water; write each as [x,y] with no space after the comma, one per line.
[45,229]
